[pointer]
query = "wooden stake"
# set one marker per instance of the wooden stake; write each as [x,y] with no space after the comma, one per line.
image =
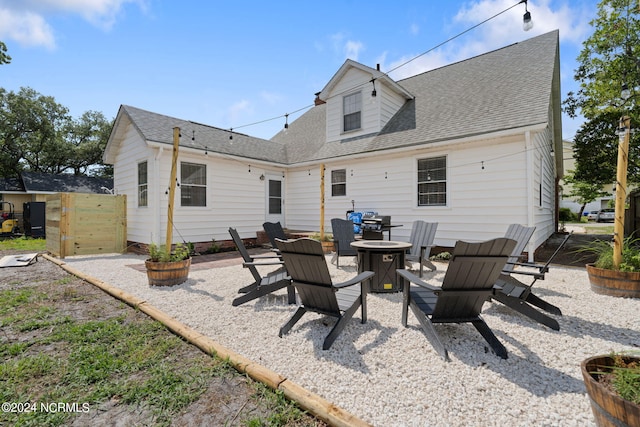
[621,191]
[172,187]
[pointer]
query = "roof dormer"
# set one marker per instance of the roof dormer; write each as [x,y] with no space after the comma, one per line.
[360,101]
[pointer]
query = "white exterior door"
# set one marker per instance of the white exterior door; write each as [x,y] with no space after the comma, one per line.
[275,199]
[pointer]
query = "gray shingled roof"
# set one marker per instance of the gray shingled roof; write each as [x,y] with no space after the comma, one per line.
[35,182]
[159,128]
[508,88]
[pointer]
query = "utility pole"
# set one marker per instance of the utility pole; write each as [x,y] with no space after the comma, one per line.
[621,189]
[172,187]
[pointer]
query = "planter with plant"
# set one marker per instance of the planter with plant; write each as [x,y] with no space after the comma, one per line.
[605,278]
[613,385]
[166,267]
[326,241]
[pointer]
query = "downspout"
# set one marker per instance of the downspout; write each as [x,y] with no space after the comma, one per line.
[529,176]
[155,212]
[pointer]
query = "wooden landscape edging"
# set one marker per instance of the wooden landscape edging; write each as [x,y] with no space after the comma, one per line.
[307,400]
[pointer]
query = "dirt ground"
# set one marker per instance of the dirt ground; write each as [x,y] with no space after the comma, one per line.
[229,400]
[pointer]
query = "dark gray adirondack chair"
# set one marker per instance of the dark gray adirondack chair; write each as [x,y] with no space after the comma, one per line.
[519,296]
[343,235]
[307,266]
[274,231]
[521,235]
[273,281]
[421,239]
[468,282]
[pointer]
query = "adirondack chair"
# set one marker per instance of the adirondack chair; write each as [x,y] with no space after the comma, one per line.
[519,296]
[261,286]
[306,263]
[421,239]
[274,231]
[521,235]
[343,235]
[468,282]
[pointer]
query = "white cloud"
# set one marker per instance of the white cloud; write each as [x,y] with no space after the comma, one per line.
[414,29]
[28,29]
[352,49]
[26,21]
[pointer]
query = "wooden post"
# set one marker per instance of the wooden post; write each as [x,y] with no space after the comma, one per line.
[322,202]
[621,191]
[172,187]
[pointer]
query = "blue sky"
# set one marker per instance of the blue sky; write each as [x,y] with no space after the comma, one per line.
[232,64]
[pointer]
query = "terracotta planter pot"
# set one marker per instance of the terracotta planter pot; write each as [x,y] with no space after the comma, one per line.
[609,409]
[614,283]
[167,273]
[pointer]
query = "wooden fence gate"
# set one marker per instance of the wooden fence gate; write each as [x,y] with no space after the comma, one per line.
[85,224]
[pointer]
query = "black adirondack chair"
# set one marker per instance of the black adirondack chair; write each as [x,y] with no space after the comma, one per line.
[468,282]
[273,281]
[519,296]
[307,266]
[343,235]
[274,231]
[421,239]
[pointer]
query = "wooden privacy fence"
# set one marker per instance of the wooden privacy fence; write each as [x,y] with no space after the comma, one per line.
[84,224]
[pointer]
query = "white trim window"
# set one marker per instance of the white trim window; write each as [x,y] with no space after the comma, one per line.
[351,110]
[432,181]
[338,182]
[193,184]
[143,184]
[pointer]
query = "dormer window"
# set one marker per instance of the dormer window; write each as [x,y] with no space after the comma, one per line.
[352,107]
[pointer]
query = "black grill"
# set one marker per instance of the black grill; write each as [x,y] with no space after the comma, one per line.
[372,226]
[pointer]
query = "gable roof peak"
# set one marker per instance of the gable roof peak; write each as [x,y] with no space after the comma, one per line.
[375,73]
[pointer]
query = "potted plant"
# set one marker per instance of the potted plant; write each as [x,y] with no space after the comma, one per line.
[613,385]
[605,278]
[326,241]
[166,267]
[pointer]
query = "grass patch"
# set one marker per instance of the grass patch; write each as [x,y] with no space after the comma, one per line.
[23,244]
[48,356]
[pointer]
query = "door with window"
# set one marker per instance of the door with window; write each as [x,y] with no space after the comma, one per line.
[275,199]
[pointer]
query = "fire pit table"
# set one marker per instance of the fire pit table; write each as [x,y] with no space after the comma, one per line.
[382,257]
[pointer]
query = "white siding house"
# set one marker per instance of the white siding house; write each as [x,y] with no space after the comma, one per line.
[469,146]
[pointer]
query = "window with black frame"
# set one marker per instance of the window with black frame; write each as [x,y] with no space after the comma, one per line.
[338,182]
[143,185]
[432,181]
[193,184]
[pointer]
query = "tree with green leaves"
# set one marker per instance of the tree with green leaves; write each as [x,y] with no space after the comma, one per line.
[37,134]
[608,63]
[4,58]
[582,192]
